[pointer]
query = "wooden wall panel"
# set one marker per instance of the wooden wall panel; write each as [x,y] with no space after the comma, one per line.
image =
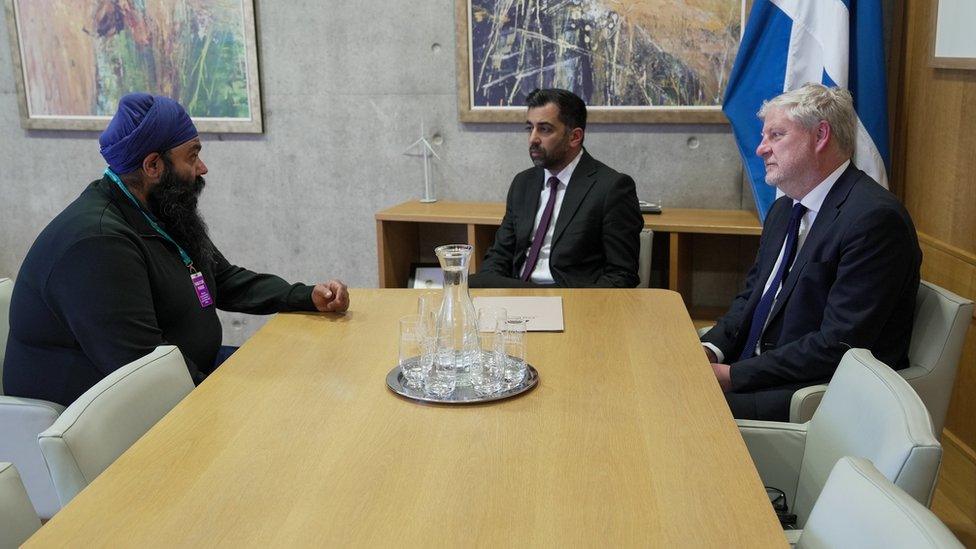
[934,170]
[935,127]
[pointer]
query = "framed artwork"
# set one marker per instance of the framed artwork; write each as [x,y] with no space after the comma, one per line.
[74,59]
[953,46]
[632,61]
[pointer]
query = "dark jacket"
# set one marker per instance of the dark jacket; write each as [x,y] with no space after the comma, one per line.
[595,242]
[100,288]
[853,284]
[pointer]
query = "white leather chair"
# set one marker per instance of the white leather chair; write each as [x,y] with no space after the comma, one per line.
[21,419]
[859,507]
[938,335]
[644,258]
[868,411]
[108,418]
[17,518]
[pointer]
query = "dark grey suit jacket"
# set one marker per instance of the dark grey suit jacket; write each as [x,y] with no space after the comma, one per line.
[596,238]
[853,284]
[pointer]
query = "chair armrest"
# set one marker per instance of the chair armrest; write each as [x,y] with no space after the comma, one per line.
[913,372]
[18,516]
[777,451]
[805,402]
[21,419]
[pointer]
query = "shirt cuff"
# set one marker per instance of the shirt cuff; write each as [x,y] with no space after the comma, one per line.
[719,356]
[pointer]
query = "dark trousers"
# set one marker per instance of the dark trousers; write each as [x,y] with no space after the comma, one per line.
[223,354]
[769,404]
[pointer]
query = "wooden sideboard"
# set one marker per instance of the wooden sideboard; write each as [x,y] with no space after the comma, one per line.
[398,237]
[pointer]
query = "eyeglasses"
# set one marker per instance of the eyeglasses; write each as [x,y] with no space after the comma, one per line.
[777,498]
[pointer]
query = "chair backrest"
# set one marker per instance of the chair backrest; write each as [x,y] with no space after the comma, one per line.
[17,518]
[938,335]
[6,289]
[859,507]
[644,258]
[869,411]
[21,419]
[108,418]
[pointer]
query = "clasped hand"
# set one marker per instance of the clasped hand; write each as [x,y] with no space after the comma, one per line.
[331,296]
[720,370]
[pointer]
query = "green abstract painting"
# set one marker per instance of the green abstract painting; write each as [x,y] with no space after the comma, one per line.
[76,58]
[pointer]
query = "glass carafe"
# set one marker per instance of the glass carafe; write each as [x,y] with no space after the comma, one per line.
[458,349]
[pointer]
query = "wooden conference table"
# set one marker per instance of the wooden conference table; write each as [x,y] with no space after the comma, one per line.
[296,441]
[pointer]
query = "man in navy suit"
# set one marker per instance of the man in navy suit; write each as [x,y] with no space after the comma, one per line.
[570,221]
[837,267]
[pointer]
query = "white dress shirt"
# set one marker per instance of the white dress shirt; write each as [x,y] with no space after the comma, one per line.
[541,273]
[813,202]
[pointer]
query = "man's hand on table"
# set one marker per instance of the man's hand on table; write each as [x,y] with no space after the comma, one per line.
[710,354]
[720,370]
[722,375]
[331,296]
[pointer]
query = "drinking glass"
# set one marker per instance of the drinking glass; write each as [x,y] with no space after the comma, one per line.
[443,375]
[512,344]
[488,318]
[414,354]
[490,375]
[428,306]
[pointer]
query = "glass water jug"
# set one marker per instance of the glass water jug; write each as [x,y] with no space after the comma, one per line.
[458,351]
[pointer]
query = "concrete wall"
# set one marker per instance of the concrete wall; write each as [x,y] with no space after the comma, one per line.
[345,86]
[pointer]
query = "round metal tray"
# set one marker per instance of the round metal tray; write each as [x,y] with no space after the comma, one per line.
[461,395]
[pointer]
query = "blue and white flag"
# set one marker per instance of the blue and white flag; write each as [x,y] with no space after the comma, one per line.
[788,43]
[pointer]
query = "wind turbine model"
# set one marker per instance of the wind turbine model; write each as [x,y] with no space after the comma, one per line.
[426,149]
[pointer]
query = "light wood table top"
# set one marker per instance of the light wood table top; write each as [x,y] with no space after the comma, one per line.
[296,441]
[676,220]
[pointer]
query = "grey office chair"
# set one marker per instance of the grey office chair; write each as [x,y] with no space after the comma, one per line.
[108,418]
[859,507]
[17,518]
[938,335]
[868,411]
[21,419]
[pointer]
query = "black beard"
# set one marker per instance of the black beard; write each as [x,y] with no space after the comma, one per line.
[174,202]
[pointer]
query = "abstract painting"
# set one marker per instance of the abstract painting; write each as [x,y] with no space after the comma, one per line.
[630,60]
[74,59]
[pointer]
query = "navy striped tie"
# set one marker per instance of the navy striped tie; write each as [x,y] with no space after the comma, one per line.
[761,314]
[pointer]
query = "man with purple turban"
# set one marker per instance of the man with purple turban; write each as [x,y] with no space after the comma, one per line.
[129,266]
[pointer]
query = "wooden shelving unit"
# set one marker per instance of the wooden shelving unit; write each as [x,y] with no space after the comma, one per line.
[398,237]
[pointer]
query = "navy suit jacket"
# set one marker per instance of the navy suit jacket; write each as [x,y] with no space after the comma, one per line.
[595,242]
[853,284]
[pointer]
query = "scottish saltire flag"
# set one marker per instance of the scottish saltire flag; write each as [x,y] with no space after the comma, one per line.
[788,43]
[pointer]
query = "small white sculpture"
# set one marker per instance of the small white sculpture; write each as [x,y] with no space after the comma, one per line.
[426,149]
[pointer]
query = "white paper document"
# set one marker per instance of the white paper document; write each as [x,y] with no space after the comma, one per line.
[545,314]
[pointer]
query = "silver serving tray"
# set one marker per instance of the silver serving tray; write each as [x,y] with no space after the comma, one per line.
[461,395]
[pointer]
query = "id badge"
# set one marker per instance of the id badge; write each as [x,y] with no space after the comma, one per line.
[200,285]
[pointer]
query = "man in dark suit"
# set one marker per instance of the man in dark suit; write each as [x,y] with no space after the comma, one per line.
[570,221]
[837,267]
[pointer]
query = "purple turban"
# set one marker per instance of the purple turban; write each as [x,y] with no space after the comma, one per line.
[144,124]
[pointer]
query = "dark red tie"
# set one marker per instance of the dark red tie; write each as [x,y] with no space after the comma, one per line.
[540,233]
